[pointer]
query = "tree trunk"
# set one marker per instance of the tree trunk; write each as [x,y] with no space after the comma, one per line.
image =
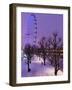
[28,67]
[56,65]
[44,60]
[56,70]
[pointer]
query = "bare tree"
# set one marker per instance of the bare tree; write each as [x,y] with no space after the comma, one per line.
[29,54]
[56,45]
[42,49]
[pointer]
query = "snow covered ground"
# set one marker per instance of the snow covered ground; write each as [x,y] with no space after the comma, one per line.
[37,68]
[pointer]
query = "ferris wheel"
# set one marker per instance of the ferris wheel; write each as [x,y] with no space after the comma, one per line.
[31,34]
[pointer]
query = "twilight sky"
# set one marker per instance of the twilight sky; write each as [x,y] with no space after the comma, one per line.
[46,25]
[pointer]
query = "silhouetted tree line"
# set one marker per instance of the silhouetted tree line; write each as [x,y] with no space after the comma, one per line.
[42,50]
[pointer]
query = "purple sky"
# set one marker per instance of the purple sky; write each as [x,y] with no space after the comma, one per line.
[46,25]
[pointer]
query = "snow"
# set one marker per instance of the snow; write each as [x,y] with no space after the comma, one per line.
[37,68]
[59,72]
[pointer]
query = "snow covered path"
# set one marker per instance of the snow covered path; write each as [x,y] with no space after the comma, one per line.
[38,69]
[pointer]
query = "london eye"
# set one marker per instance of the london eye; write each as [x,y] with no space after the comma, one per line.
[31,34]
